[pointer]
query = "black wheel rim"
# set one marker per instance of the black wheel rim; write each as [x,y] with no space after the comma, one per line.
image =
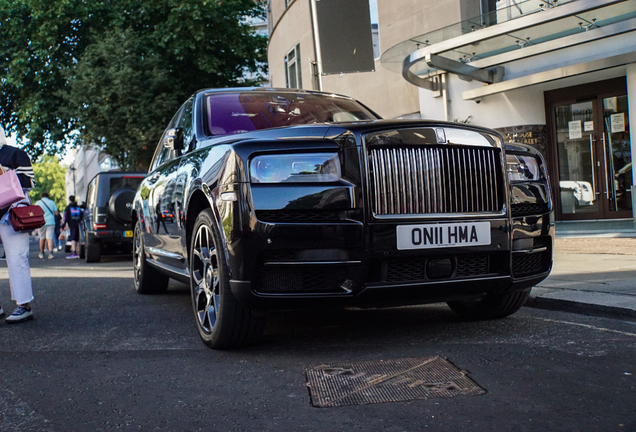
[205,279]
[137,256]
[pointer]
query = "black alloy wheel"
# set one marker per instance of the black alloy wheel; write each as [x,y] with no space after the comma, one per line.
[147,279]
[222,322]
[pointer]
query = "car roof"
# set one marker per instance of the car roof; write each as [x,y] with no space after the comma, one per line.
[270,90]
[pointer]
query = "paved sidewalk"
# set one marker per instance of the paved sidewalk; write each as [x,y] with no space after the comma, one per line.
[590,275]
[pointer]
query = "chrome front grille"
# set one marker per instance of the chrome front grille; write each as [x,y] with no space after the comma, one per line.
[434,180]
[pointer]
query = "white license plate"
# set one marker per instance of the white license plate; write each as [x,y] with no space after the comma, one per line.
[443,235]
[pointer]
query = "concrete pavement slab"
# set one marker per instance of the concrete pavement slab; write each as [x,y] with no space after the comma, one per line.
[609,273]
[590,275]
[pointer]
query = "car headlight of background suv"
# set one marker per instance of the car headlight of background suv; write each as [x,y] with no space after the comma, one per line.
[298,167]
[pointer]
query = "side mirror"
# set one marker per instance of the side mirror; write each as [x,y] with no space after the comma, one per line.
[173,139]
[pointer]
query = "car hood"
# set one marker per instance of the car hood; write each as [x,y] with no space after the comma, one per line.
[332,130]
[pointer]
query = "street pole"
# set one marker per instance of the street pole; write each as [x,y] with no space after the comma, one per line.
[72,168]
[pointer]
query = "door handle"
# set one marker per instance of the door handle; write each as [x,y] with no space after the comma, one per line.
[607,179]
[592,161]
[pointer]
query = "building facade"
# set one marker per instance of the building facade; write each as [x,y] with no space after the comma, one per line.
[87,162]
[292,56]
[558,75]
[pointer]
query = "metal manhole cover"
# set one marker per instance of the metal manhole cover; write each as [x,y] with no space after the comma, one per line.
[387,381]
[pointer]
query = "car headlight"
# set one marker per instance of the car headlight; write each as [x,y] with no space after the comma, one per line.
[522,167]
[300,167]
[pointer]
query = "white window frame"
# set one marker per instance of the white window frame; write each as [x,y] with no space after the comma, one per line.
[292,66]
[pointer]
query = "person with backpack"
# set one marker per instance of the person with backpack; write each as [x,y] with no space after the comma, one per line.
[47,232]
[72,218]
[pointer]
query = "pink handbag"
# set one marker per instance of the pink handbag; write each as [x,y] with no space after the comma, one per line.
[10,189]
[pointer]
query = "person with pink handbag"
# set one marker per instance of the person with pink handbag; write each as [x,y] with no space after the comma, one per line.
[16,243]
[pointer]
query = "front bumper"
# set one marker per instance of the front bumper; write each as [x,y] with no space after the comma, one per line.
[287,265]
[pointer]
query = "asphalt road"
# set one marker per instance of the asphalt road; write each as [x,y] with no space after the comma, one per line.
[98,356]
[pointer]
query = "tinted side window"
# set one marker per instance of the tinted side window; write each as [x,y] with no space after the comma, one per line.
[90,194]
[163,154]
[185,121]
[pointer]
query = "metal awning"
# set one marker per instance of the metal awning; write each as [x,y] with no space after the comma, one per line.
[477,49]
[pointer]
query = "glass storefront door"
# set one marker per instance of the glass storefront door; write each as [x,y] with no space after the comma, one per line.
[593,155]
[578,159]
[618,151]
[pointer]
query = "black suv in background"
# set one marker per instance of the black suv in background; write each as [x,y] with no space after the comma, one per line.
[107,219]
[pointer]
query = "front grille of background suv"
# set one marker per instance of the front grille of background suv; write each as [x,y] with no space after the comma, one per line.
[435,180]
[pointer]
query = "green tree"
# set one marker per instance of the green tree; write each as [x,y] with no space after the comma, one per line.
[125,85]
[50,176]
[40,41]
[113,73]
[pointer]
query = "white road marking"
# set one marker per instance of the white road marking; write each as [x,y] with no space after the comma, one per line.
[603,329]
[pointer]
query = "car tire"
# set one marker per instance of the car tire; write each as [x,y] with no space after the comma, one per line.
[492,306]
[92,253]
[82,251]
[221,320]
[147,279]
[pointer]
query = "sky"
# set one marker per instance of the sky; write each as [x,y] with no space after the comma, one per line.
[11,141]
[373,8]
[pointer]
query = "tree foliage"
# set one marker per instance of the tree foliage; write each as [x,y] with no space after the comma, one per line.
[50,177]
[113,73]
[120,95]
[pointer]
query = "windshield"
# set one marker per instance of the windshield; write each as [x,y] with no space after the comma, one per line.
[230,113]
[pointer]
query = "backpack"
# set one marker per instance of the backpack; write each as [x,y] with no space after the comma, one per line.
[76,213]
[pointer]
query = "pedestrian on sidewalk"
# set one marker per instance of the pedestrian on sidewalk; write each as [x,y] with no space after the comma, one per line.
[16,243]
[72,218]
[47,232]
[57,243]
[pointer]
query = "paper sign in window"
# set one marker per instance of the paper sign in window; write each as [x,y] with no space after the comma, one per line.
[618,122]
[574,127]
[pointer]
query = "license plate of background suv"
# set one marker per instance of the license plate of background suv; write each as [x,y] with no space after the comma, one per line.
[128,233]
[430,236]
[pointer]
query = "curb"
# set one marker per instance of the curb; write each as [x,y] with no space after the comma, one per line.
[583,302]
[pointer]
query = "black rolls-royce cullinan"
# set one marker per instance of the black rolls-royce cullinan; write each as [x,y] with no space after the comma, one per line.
[287,198]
